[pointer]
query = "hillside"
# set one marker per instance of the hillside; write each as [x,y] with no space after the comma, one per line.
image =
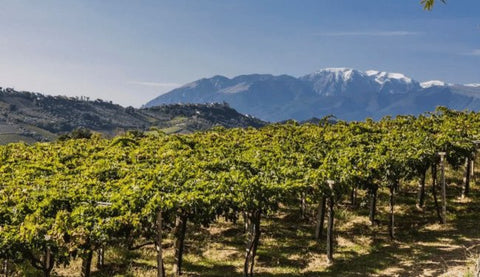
[35,117]
[346,93]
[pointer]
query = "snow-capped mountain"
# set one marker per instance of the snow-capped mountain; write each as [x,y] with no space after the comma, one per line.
[346,93]
[338,81]
[393,82]
[433,83]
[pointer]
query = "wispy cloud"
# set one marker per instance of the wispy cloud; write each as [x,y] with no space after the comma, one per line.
[154,84]
[475,52]
[369,34]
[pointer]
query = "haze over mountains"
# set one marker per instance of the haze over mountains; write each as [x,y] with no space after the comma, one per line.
[348,94]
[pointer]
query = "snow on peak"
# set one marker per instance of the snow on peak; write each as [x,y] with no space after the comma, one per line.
[191,85]
[371,72]
[399,76]
[339,73]
[475,85]
[243,86]
[433,83]
[381,77]
[337,69]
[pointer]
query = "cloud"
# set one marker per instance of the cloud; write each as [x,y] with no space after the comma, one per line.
[154,84]
[370,34]
[475,52]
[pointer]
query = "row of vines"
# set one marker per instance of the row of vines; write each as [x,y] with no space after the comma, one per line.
[71,199]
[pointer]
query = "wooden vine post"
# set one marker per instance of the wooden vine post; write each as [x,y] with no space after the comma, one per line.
[466,177]
[320,218]
[330,223]
[5,268]
[477,146]
[444,187]
[100,257]
[159,241]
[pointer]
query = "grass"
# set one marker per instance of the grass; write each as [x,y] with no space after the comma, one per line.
[44,133]
[423,247]
[171,130]
[6,138]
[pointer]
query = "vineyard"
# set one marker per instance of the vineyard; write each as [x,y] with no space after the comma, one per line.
[84,201]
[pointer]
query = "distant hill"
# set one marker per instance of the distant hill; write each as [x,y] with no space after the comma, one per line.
[34,117]
[345,93]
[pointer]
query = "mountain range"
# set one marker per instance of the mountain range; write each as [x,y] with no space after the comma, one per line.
[348,94]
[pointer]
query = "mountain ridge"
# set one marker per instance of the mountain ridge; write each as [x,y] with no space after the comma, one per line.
[347,93]
[34,117]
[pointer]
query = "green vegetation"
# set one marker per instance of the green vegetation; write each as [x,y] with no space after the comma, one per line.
[242,201]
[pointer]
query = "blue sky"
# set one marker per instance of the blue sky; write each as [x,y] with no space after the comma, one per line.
[131,51]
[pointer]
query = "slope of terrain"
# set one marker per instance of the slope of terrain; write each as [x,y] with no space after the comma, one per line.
[35,117]
[346,93]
